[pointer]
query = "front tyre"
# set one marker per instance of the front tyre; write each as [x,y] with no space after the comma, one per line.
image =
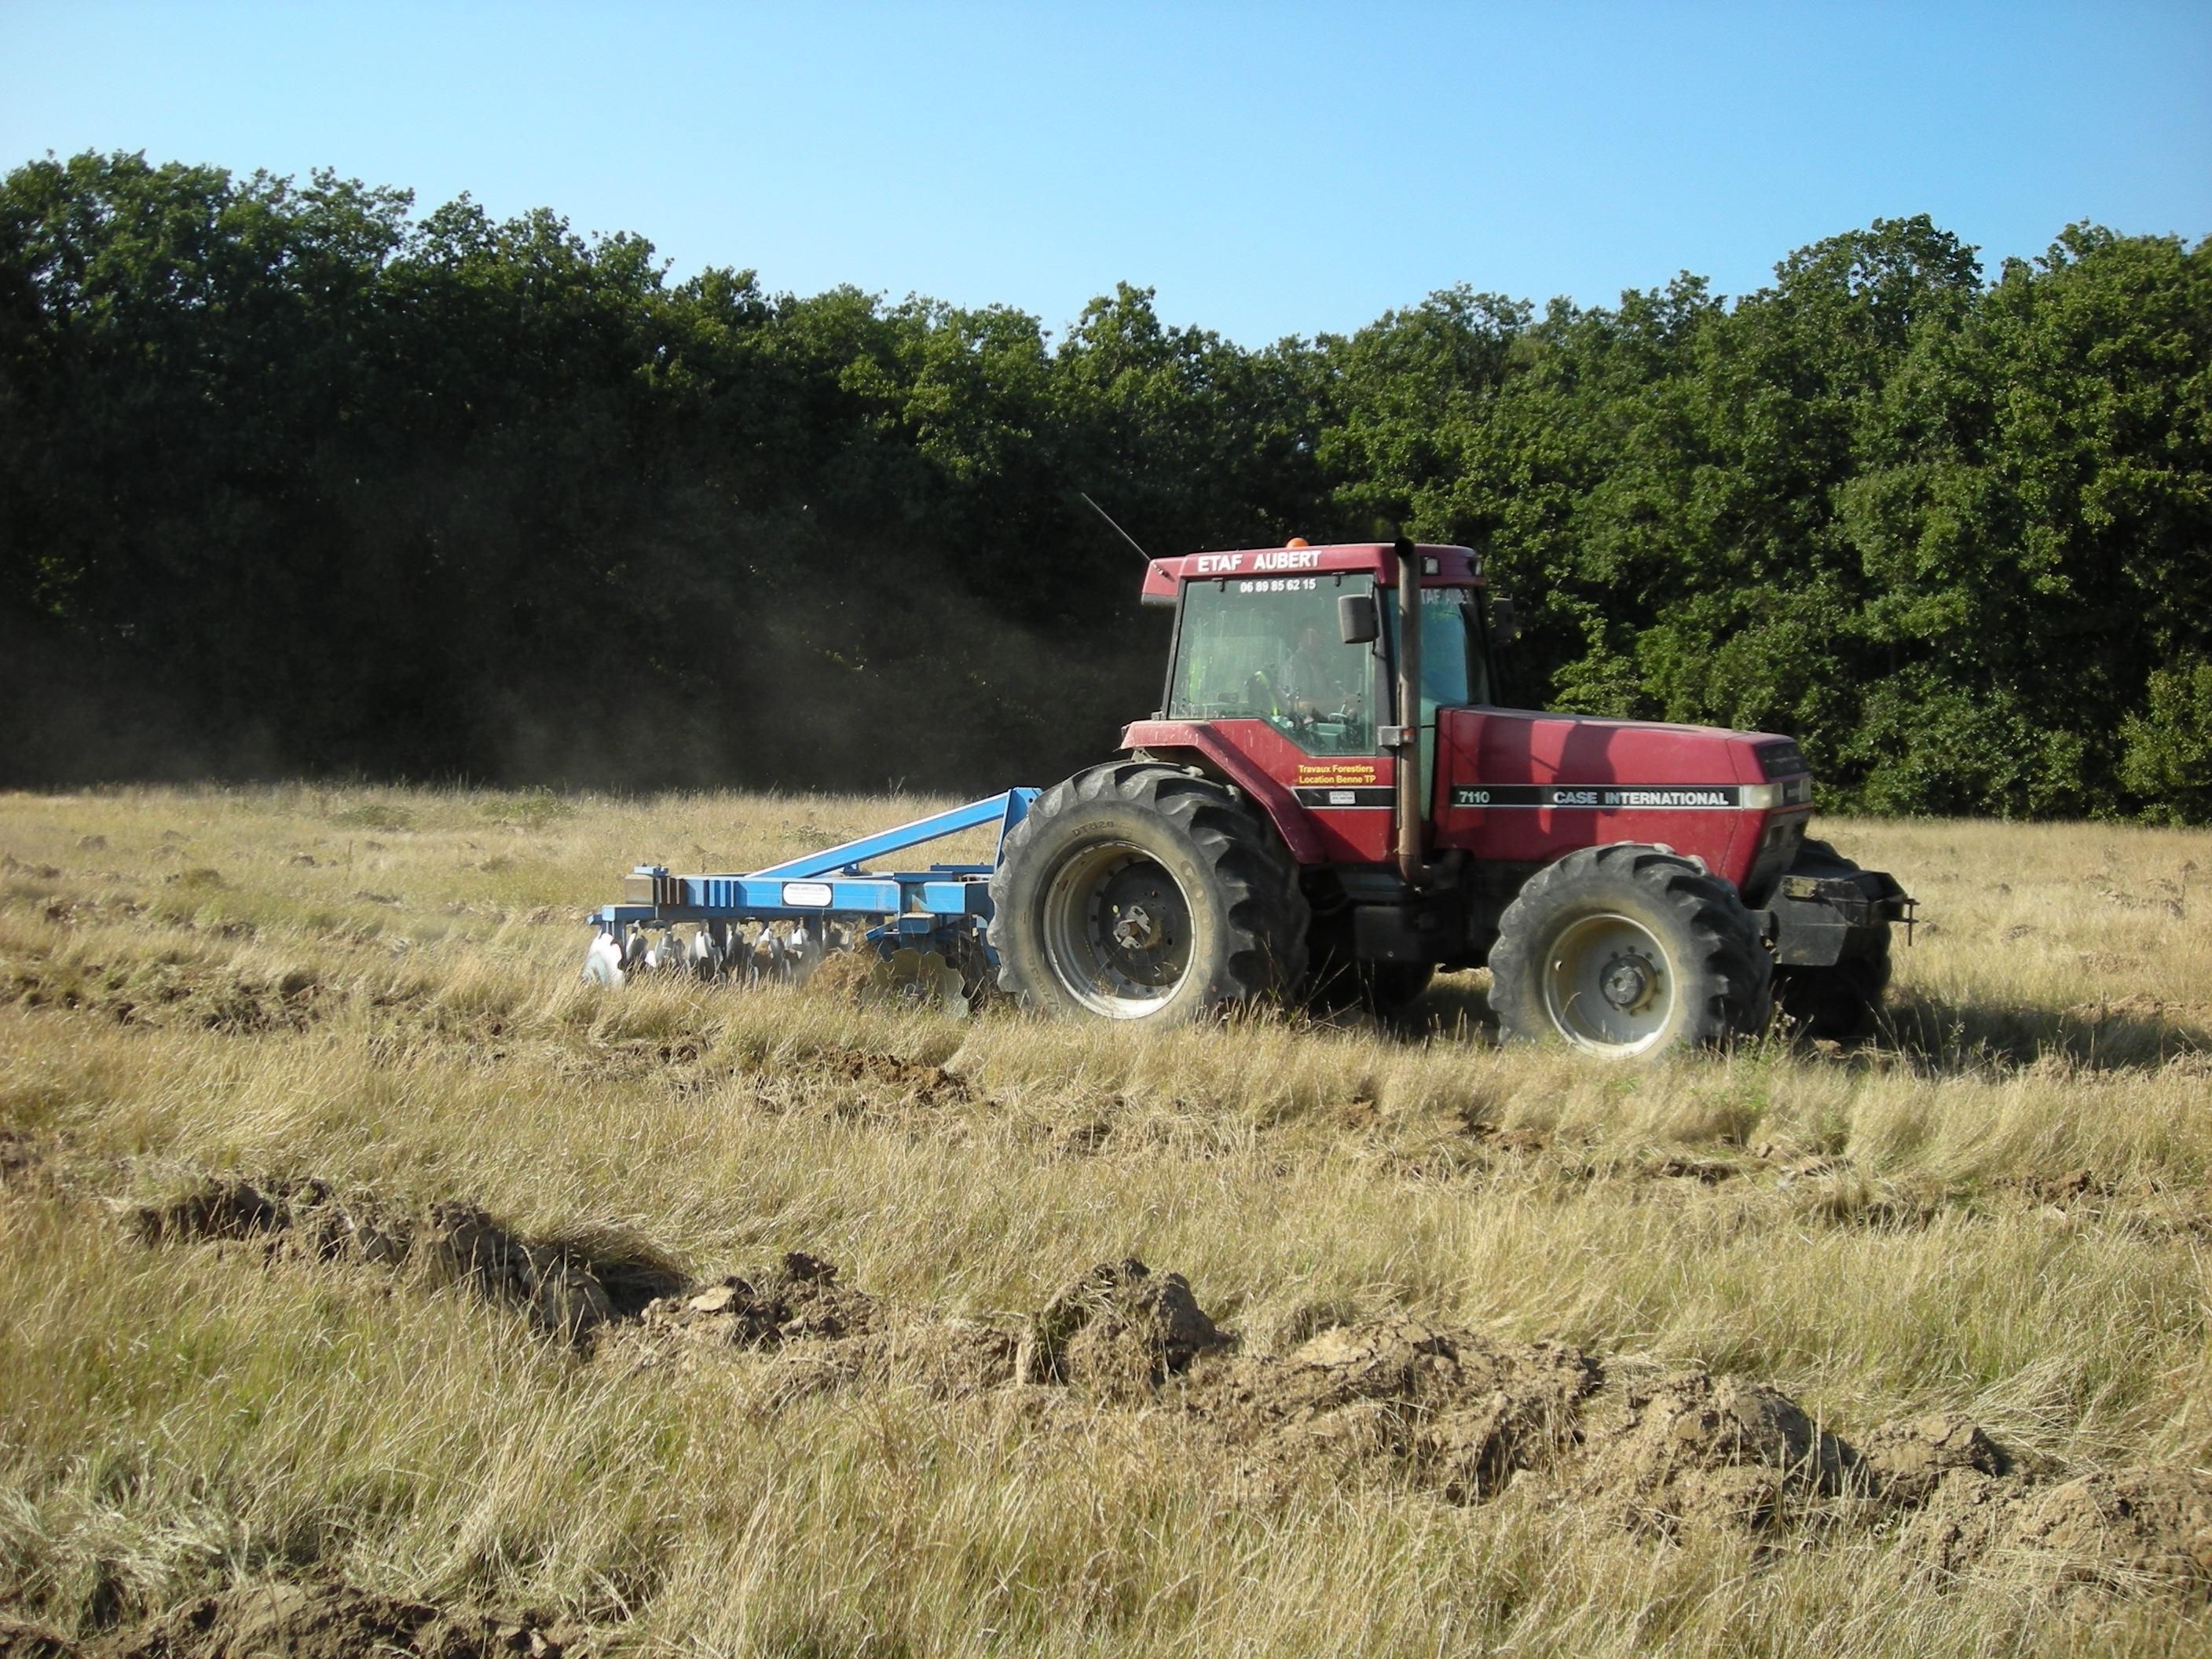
[1137,891]
[1625,950]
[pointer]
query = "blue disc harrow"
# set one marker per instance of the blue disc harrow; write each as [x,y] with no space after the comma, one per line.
[779,923]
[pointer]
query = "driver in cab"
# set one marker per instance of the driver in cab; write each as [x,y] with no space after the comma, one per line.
[1308,686]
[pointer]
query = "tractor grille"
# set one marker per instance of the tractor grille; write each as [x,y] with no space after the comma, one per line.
[1782,759]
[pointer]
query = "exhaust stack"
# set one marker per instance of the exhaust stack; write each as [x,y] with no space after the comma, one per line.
[1411,809]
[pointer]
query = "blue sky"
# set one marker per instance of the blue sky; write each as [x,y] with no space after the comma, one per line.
[1270,169]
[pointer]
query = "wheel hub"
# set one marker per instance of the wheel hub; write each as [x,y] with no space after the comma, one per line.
[1136,930]
[1628,981]
[1117,930]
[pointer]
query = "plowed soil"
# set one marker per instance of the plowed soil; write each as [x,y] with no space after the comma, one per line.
[309,1621]
[1453,1413]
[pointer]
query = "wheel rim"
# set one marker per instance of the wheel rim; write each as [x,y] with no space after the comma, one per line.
[1117,930]
[1606,987]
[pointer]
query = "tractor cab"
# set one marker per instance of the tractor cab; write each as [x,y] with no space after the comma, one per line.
[1285,672]
[1313,656]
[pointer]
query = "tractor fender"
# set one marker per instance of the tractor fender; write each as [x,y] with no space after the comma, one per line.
[1187,742]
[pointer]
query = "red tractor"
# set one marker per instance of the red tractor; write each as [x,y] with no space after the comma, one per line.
[1330,806]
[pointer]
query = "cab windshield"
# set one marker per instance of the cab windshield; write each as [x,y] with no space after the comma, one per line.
[1271,649]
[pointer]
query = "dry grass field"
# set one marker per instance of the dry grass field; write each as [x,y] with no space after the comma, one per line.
[365,1278]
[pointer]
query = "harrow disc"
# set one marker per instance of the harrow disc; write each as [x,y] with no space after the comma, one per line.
[700,956]
[602,962]
[801,955]
[774,954]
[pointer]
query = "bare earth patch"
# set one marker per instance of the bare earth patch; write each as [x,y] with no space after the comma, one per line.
[309,1621]
[1672,1452]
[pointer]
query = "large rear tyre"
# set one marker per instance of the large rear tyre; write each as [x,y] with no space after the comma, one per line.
[1838,1003]
[1137,891]
[1625,950]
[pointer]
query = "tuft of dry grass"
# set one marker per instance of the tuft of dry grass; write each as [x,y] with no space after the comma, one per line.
[1998,1211]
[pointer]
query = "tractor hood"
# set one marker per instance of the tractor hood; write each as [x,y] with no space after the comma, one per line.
[1517,785]
[1536,756]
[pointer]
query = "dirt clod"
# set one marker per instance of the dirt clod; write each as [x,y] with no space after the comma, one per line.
[565,1290]
[1707,1171]
[920,1082]
[329,1226]
[1453,1408]
[2121,1532]
[946,1357]
[797,1300]
[296,1622]
[1908,1461]
[821,1335]
[21,1158]
[558,1289]
[1082,1139]
[1688,1448]
[1495,1139]
[1959,1523]
[210,1209]
[19,1640]
[2128,1529]
[1120,1327]
[2069,1188]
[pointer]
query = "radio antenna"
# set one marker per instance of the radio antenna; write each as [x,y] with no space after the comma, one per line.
[1118,531]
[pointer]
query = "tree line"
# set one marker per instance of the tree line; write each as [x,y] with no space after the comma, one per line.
[294,480]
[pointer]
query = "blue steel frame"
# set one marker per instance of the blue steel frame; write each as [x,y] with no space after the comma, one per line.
[831,884]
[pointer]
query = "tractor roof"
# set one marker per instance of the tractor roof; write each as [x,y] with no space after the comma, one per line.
[1444,566]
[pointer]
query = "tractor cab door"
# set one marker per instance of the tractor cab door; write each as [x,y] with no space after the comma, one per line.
[1262,661]
[1454,668]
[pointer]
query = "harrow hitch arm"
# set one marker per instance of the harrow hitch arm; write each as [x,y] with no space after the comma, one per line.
[832,883]
[1007,810]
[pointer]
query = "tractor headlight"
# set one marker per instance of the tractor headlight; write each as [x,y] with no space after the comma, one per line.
[1765,797]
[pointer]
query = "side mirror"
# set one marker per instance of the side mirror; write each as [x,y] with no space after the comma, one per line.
[1356,623]
[1504,624]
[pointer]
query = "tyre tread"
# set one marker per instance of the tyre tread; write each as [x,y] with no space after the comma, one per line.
[1264,906]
